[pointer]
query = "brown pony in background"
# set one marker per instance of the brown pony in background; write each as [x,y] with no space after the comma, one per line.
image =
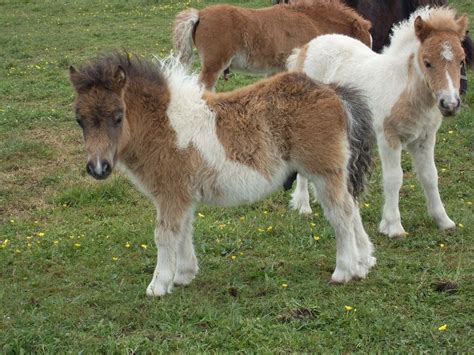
[259,40]
[384,14]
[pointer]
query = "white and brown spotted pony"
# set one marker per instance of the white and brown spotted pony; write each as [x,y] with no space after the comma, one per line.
[182,146]
[410,87]
[259,40]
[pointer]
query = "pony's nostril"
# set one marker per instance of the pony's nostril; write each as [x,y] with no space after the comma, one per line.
[106,168]
[458,103]
[443,103]
[90,169]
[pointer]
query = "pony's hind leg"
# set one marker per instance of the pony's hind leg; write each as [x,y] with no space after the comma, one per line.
[365,246]
[339,208]
[300,197]
[187,264]
[211,70]
[422,152]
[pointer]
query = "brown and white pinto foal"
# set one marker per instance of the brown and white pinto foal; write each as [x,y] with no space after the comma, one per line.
[182,146]
[259,40]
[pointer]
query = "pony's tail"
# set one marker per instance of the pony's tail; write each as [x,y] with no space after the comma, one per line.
[361,137]
[183,32]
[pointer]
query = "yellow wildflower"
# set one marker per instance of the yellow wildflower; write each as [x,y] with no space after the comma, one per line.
[40,234]
[201,215]
[233,257]
[461,225]
[450,132]
[242,218]
[348,308]
[441,245]
[56,242]
[143,246]
[261,230]
[114,258]
[265,212]
[12,221]
[316,237]
[221,226]
[366,205]
[284,285]
[77,245]
[312,225]
[270,229]
[18,251]
[443,328]
[127,245]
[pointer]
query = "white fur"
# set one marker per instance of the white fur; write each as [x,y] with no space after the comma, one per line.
[447,52]
[383,77]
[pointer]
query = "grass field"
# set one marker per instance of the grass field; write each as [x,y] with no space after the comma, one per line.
[76,255]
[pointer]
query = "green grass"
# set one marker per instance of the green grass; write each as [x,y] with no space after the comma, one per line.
[80,253]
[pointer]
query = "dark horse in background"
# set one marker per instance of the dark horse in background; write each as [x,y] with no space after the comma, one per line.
[385,13]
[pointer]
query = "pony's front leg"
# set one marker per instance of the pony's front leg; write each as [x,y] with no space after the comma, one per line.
[167,239]
[422,152]
[392,172]
[300,197]
[187,264]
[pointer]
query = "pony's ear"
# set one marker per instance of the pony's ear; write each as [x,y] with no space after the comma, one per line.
[462,26]
[120,78]
[73,73]
[422,29]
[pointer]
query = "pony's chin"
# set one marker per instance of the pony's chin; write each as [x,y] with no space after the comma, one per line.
[448,113]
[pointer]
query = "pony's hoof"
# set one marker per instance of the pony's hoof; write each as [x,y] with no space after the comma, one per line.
[300,206]
[357,272]
[184,278]
[446,224]
[393,230]
[158,289]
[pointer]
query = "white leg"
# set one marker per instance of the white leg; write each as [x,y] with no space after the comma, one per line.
[425,168]
[187,264]
[365,246]
[391,224]
[300,197]
[167,240]
[338,208]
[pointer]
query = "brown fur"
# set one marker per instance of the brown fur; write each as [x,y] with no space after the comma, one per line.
[261,40]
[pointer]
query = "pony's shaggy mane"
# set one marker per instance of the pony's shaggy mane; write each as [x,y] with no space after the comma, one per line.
[403,35]
[100,72]
[333,5]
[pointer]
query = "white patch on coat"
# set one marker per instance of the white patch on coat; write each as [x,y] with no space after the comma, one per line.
[447,52]
[195,124]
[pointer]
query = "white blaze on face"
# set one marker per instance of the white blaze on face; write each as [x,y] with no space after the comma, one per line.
[447,52]
[452,93]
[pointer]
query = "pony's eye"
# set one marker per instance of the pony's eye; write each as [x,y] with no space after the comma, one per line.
[118,118]
[428,64]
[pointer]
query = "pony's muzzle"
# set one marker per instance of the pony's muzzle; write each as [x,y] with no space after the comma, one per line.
[99,171]
[449,107]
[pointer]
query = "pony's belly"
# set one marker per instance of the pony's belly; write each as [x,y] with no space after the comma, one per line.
[243,187]
[243,63]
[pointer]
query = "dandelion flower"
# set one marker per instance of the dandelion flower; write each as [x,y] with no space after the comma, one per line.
[312,225]
[366,205]
[77,245]
[233,257]
[316,214]
[40,234]
[469,203]
[443,328]
[261,230]
[18,251]
[221,226]
[284,285]
[12,221]
[143,246]
[441,245]
[316,237]
[201,215]
[443,170]
[265,212]
[461,225]
[114,258]
[450,132]
[56,242]
[127,245]
[270,229]
[348,308]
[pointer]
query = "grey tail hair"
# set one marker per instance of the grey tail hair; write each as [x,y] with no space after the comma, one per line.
[184,29]
[361,137]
